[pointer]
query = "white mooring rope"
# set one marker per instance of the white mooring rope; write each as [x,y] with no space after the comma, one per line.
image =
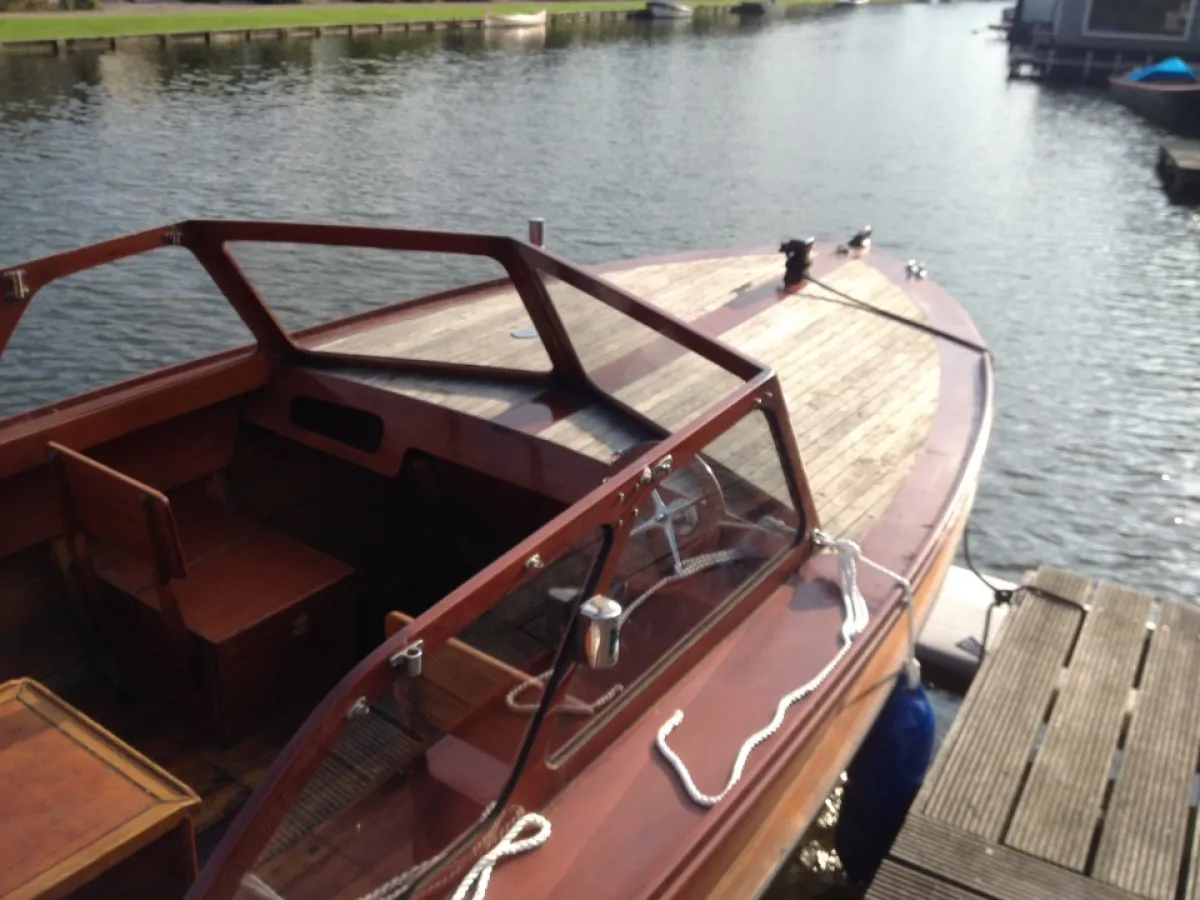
[512,844]
[853,624]
[578,707]
[479,874]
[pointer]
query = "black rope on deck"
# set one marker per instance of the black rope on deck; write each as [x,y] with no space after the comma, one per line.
[848,300]
[1006,596]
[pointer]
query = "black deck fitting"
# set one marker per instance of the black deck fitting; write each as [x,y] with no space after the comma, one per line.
[799,258]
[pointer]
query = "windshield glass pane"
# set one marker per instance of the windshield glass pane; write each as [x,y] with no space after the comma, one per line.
[422,764]
[652,374]
[708,531]
[312,284]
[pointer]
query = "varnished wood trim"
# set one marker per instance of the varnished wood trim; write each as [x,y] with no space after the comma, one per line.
[111,412]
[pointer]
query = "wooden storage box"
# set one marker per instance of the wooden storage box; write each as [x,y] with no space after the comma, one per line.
[81,813]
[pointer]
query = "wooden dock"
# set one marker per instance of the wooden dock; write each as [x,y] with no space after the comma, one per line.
[1179,169]
[1070,770]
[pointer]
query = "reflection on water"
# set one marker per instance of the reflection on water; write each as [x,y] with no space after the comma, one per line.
[1037,208]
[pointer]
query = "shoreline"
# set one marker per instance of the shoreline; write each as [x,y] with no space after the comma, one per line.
[108,28]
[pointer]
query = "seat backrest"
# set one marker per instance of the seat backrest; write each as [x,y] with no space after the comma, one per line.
[103,503]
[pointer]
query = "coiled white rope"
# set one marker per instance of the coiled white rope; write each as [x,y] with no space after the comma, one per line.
[856,617]
[394,887]
[479,874]
[512,844]
[578,707]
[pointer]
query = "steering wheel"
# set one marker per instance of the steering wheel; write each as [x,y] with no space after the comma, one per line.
[688,502]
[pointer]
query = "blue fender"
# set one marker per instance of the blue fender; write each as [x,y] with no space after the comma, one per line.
[883,779]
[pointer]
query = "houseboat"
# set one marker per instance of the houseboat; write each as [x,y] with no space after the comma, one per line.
[594,577]
[1089,40]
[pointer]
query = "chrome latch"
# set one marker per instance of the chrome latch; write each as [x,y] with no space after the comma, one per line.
[15,287]
[600,635]
[409,658]
[662,468]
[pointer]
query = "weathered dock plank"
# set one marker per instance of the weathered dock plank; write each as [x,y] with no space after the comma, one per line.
[897,882]
[1061,803]
[989,869]
[978,774]
[1070,770]
[1145,829]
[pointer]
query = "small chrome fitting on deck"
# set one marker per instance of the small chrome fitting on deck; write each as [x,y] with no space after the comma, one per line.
[537,232]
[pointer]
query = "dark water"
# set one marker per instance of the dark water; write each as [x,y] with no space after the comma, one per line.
[1037,208]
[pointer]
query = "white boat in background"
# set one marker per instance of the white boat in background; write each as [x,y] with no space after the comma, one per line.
[515,20]
[668,9]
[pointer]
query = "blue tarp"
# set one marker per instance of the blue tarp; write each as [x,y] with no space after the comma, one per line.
[1171,69]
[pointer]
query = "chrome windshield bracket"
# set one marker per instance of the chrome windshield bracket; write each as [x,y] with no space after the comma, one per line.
[409,658]
[15,287]
[358,709]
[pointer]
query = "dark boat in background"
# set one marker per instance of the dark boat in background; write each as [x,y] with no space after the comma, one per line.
[1167,93]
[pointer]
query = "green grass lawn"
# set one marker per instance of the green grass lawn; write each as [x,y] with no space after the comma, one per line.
[26,27]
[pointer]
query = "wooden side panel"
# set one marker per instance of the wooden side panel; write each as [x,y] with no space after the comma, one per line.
[30,592]
[174,453]
[978,773]
[1145,827]
[1060,804]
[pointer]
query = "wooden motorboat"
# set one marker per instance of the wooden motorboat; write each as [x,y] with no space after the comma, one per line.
[515,20]
[331,613]
[1167,93]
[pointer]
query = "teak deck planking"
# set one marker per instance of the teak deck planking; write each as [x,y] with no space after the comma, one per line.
[857,445]
[1068,773]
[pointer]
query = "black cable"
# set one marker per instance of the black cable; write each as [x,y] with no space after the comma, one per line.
[895,317]
[1002,596]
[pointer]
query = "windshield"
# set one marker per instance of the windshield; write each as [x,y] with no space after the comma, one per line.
[426,761]
[474,729]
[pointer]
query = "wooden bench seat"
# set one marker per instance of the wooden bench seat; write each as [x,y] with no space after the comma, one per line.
[247,619]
